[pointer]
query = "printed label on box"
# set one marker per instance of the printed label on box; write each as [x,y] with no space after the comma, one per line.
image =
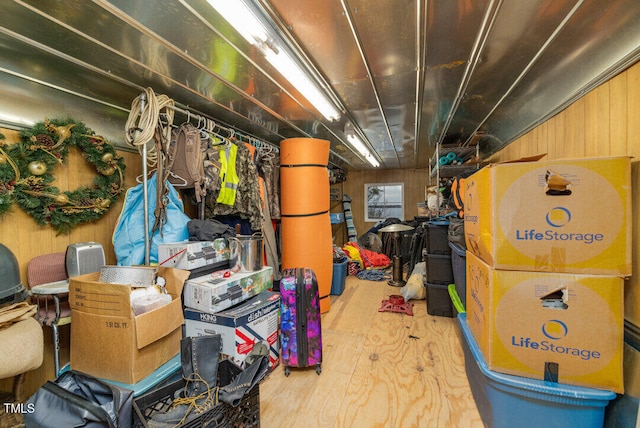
[242,327]
[212,293]
[191,255]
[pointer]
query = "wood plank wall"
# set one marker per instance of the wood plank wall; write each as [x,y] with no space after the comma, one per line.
[26,239]
[415,182]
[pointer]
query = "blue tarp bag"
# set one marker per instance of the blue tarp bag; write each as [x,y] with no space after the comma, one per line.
[129,236]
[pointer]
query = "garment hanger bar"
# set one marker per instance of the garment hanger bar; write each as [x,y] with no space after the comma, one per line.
[211,125]
[257,143]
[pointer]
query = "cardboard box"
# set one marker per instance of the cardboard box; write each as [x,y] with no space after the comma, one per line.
[241,327]
[109,342]
[552,216]
[552,326]
[212,293]
[193,254]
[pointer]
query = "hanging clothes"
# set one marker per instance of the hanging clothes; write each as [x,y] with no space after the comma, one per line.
[229,179]
[247,204]
[269,170]
[269,234]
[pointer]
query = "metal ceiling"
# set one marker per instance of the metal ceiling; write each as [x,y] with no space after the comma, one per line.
[408,73]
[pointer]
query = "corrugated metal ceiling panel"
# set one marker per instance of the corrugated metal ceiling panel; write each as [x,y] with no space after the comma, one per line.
[407,73]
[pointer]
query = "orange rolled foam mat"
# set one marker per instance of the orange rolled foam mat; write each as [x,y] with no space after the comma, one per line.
[304,205]
[305,241]
[300,188]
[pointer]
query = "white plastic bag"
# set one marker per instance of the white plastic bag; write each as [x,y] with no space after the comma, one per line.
[414,288]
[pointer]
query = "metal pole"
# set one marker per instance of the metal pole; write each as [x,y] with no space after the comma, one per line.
[147,239]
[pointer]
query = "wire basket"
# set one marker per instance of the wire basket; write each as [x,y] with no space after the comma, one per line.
[246,414]
[137,276]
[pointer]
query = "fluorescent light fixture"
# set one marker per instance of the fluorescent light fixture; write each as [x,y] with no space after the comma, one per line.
[244,20]
[361,148]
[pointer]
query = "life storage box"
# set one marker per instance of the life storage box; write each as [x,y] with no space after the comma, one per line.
[552,216]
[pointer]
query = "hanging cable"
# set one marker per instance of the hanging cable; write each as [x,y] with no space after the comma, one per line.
[142,123]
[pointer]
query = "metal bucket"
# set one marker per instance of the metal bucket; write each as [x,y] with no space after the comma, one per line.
[246,252]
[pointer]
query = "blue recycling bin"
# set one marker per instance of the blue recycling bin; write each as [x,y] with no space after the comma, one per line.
[339,277]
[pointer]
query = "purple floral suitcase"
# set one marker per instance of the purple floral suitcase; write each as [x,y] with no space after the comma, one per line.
[301,333]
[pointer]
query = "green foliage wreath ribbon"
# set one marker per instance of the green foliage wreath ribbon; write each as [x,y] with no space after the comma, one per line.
[27,174]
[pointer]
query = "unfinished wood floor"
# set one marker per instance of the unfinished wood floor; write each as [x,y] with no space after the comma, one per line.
[380,369]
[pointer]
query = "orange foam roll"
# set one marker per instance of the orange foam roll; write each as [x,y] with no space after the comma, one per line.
[304,190]
[297,151]
[304,201]
[307,242]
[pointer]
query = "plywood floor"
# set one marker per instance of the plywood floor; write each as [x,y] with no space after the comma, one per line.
[380,369]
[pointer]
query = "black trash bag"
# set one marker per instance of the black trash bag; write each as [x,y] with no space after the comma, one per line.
[76,399]
[209,230]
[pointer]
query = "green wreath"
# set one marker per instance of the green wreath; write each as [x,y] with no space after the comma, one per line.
[27,167]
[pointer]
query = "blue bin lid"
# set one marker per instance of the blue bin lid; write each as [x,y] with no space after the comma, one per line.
[458,249]
[562,393]
[439,222]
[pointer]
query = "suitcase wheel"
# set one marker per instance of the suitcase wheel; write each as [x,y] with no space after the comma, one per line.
[318,369]
[287,371]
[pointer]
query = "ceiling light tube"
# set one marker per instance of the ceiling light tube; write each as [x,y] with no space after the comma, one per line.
[249,26]
[360,147]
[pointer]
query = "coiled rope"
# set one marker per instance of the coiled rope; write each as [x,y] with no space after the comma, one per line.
[141,125]
[373,275]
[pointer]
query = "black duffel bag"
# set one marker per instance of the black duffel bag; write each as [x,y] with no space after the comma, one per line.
[76,399]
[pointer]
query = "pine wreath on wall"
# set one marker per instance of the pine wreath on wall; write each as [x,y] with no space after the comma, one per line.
[27,174]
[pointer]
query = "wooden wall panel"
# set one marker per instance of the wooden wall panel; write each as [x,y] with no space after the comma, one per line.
[633,111]
[20,233]
[554,138]
[618,116]
[605,122]
[415,182]
[573,136]
[26,239]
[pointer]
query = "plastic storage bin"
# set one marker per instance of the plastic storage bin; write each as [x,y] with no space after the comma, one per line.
[459,266]
[506,401]
[439,270]
[437,237]
[439,301]
[246,414]
[458,307]
[339,277]
[624,411]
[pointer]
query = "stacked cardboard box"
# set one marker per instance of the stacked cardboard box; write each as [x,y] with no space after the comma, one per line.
[239,307]
[549,245]
[255,321]
[220,290]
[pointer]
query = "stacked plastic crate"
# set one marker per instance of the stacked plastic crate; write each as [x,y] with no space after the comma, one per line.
[439,268]
[542,260]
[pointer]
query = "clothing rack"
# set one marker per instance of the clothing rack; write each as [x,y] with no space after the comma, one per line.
[212,126]
[209,124]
